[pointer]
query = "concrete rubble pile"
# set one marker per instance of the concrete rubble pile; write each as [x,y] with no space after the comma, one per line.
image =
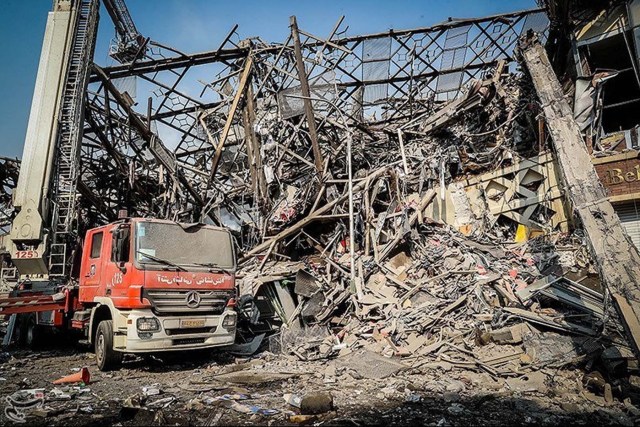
[428,234]
[432,244]
[450,297]
[503,292]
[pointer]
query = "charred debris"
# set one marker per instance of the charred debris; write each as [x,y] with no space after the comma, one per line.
[426,195]
[446,227]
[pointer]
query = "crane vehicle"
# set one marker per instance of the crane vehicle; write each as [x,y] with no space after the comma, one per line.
[135,285]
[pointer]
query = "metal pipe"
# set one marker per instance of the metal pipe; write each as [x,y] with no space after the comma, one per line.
[352,251]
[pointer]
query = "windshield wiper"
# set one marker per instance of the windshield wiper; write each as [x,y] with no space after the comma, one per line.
[161,261]
[213,267]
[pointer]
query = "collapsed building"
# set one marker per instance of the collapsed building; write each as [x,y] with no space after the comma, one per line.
[9,169]
[454,194]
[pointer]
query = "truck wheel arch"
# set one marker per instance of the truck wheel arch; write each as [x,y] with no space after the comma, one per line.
[98,314]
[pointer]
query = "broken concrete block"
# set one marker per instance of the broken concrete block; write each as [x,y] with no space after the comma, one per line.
[534,381]
[449,396]
[42,412]
[510,335]
[316,403]
[608,393]
[399,263]
[133,402]
[414,342]
[455,409]
[633,410]
[526,359]
[293,399]
[551,349]
[570,407]
[594,381]
[634,381]
[368,364]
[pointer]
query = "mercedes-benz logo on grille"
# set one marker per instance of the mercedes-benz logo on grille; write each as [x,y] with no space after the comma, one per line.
[193,299]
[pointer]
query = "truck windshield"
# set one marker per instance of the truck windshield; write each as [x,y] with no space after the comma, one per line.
[198,246]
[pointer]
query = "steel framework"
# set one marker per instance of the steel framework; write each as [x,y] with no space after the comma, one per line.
[184,136]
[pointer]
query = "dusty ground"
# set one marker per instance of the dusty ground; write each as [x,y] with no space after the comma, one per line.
[188,385]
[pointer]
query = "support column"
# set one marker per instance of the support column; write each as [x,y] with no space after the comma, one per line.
[617,259]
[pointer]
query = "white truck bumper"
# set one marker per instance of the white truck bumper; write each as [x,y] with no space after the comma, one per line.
[175,333]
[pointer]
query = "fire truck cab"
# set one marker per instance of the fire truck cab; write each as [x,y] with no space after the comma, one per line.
[154,285]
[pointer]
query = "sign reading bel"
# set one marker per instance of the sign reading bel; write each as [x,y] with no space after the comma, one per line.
[618,176]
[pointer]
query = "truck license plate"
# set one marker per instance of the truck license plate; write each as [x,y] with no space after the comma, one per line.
[192,323]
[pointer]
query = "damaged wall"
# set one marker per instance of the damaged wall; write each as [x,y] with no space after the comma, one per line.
[527,193]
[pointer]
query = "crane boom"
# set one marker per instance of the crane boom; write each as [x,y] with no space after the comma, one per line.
[45,194]
[129,40]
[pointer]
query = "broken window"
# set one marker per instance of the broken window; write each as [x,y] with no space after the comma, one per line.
[607,44]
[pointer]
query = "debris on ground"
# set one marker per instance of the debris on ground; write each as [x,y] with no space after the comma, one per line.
[424,256]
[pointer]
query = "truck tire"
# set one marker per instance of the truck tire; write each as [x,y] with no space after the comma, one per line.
[31,332]
[18,331]
[106,357]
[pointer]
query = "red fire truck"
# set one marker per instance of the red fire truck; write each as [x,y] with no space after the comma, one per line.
[144,285]
[132,286]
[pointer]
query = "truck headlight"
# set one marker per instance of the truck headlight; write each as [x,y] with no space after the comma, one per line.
[148,324]
[229,321]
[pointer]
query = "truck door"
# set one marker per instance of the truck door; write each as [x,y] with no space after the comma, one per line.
[117,265]
[91,268]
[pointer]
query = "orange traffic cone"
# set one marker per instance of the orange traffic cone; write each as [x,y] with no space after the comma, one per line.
[81,376]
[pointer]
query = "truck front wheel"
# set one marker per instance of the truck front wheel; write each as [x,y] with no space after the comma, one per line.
[106,357]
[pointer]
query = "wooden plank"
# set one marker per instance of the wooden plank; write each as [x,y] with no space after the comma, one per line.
[258,180]
[422,284]
[556,322]
[616,258]
[306,94]
[249,145]
[232,111]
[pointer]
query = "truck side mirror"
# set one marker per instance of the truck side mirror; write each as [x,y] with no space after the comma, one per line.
[115,235]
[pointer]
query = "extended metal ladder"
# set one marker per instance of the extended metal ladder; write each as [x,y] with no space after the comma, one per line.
[128,41]
[70,129]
